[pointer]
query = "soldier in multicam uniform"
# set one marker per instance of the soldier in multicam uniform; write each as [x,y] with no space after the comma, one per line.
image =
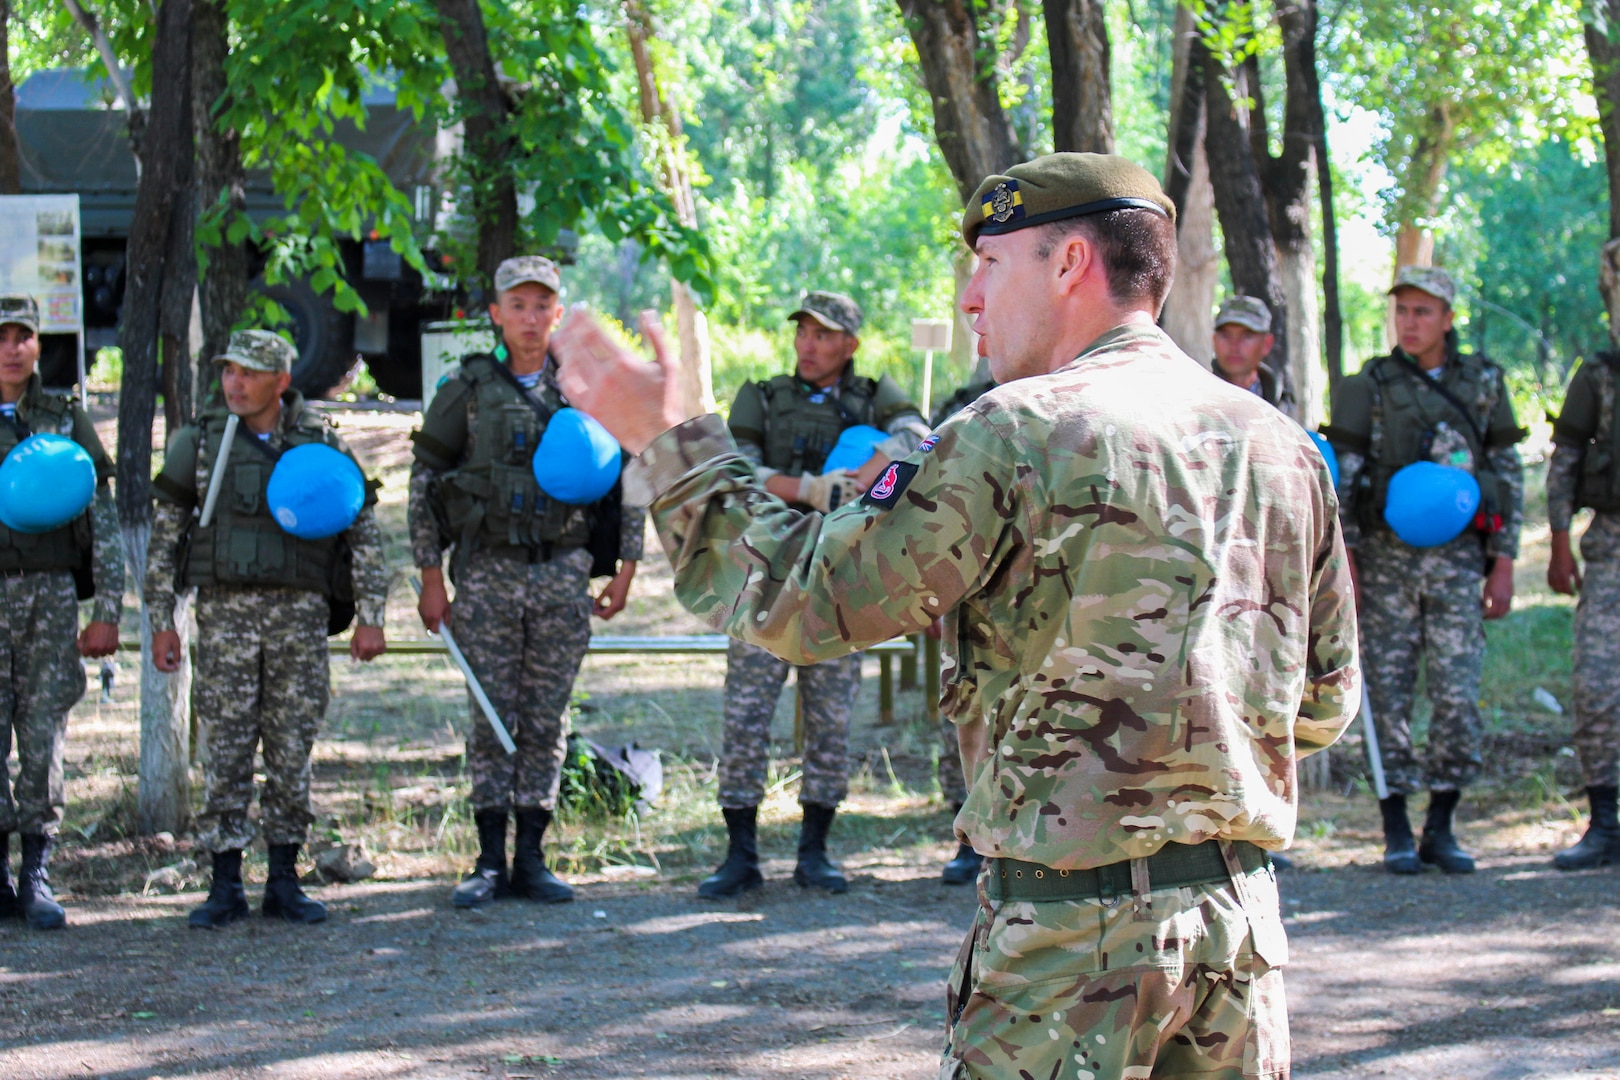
[1585,471]
[1148,617]
[1243,340]
[43,576]
[266,601]
[1427,401]
[963,867]
[787,426]
[522,567]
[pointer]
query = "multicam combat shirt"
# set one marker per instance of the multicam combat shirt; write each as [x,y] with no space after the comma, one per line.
[1143,580]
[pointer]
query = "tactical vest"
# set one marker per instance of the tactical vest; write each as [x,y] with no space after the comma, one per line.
[67,548]
[243,545]
[491,501]
[1408,408]
[1598,485]
[802,423]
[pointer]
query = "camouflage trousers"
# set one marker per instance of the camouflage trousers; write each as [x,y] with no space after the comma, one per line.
[525,628]
[754,680]
[261,683]
[952,784]
[43,679]
[1597,654]
[1423,605]
[1189,985]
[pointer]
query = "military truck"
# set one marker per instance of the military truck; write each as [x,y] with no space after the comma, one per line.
[72,137]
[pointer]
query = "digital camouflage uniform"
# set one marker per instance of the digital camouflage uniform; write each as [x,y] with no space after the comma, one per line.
[523,605]
[1585,471]
[1252,313]
[754,678]
[1149,609]
[1424,603]
[39,617]
[261,677]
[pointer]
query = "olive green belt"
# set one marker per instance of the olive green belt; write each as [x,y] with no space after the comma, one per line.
[1173,866]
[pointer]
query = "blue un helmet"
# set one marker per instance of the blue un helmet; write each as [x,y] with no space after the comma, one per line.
[577,461]
[315,491]
[1328,455]
[45,482]
[854,448]
[1429,504]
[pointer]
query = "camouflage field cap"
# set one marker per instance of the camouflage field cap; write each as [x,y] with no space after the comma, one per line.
[19,308]
[1060,186]
[1246,311]
[1430,279]
[259,350]
[523,268]
[833,310]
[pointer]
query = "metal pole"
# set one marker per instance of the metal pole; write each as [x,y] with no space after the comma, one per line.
[217,478]
[1369,732]
[84,378]
[484,704]
[928,384]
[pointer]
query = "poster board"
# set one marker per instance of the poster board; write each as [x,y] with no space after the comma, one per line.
[40,255]
[443,346]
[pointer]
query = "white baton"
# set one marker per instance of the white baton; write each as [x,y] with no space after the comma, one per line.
[1369,732]
[217,479]
[488,707]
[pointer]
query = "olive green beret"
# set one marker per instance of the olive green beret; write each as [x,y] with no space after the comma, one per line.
[1060,186]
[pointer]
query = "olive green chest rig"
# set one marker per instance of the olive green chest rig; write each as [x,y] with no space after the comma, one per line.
[67,548]
[243,545]
[490,500]
[1597,486]
[802,423]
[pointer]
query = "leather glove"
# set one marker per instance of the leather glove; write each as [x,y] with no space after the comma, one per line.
[828,491]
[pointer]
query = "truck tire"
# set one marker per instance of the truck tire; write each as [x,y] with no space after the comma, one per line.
[324,336]
[59,360]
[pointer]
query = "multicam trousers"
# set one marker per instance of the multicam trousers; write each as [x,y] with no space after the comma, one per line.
[43,679]
[1597,654]
[1191,986]
[1423,604]
[754,681]
[525,629]
[261,680]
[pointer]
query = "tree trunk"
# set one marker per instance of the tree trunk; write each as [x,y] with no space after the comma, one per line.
[220,177]
[10,167]
[1605,54]
[663,122]
[1188,315]
[161,271]
[974,134]
[1082,105]
[1414,243]
[487,145]
[1240,201]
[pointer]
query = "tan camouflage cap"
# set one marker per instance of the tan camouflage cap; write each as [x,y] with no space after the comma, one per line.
[1057,187]
[1430,279]
[833,310]
[536,268]
[19,308]
[1247,311]
[259,350]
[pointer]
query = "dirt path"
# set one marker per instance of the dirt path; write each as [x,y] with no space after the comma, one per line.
[1510,973]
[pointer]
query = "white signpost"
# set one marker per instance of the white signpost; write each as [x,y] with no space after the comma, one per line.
[930,336]
[39,255]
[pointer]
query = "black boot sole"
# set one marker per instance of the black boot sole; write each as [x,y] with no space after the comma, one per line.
[220,921]
[958,872]
[731,890]
[1403,862]
[272,909]
[805,881]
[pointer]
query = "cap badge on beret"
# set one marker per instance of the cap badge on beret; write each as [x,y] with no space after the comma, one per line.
[1004,203]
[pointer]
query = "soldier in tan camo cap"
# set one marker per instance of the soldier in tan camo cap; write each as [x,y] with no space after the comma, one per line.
[1243,340]
[1427,401]
[19,309]
[259,350]
[1148,617]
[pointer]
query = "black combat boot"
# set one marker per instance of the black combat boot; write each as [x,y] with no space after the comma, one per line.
[227,900]
[964,865]
[488,880]
[1601,844]
[1400,854]
[34,897]
[8,889]
[282,896]
[740,872]
[530,878]
[1439,845]
[814,868]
